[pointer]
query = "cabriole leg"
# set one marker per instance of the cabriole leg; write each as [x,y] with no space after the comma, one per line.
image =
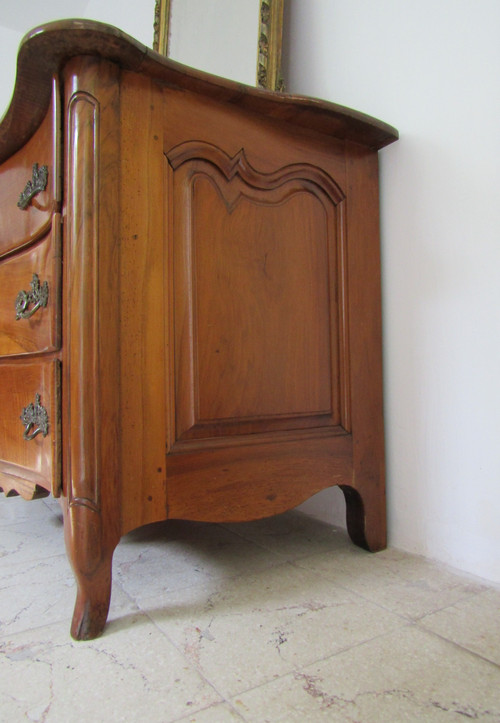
[91,559]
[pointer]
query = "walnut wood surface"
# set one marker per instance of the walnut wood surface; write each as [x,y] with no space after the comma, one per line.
[258,274]
[19,227]
[144,303]
[256,478]
[28,465]
[41,331]
[366,517]
[91,346]
[220,343]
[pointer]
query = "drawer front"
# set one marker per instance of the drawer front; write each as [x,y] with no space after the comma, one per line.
[30,284]
[21,224]
[30,427]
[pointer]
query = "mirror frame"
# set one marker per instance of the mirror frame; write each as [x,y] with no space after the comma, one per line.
[269,41]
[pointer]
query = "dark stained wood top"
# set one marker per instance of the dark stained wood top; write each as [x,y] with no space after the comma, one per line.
[45,50]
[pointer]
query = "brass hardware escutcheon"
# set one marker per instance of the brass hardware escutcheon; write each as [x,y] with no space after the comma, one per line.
[38,183]
[35,415]
[38,296]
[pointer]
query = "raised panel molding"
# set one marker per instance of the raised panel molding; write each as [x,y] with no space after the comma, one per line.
[266,249]
[238,165]
[83,299]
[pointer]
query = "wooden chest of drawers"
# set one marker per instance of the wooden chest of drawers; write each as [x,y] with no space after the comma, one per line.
[189,299]
[30,313]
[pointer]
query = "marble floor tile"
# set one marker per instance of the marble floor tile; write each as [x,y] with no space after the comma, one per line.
[131,673]
[221,713]
[30,539]
[35,593]
[277,620]
[407,675]
[40,592]
[174,555]
[242,632]
[408,585]
[159,535]
[473,623]
[293,535]
[15,510]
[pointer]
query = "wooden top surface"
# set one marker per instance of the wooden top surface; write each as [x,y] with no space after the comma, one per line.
[44,51]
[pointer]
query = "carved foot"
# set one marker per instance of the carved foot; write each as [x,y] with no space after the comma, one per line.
[90,554]
[366,519]
[92,603]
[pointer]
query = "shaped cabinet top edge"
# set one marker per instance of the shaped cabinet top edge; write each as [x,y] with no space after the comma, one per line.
[45,50]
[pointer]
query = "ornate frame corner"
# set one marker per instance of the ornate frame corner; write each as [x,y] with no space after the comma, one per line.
[269,41]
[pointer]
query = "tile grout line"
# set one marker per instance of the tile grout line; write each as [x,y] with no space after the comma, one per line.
[196,668]
[405,623]
[459,646]
[468,596]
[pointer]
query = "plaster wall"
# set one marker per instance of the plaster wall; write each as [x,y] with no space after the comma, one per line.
[430,69]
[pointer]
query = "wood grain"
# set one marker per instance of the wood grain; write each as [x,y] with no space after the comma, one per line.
[91,401]
[26,465]
[256,478]
[256,318]
[366,509]
[143,304]
[41,332]
[19,227]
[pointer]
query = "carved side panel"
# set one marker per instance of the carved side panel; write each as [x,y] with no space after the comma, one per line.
[82,381]
[259,298]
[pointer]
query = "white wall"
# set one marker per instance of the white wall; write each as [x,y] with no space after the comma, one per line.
[432,69]
[9,43]
[219,37]
[17,17]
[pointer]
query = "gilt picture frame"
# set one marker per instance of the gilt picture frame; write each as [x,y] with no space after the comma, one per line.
[268,70]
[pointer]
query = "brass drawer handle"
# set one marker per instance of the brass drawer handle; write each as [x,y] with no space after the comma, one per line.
[38,183]
[34,415]
[38,296]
